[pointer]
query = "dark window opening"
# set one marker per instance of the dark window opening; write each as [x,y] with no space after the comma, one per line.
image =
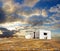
[45,33]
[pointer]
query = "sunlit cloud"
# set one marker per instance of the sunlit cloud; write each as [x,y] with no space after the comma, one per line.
[29,13]
[44,13]
[9,6]
[30,3]
[26,14]
[56,13]
[12,25]
[55,9]
[12,8]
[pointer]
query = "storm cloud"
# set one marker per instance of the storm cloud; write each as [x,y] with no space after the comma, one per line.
[9,18]
[18,12]
[6,33]
[12,12]
[2,16]
[35,20]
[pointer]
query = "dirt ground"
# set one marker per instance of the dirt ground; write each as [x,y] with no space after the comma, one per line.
[18,44]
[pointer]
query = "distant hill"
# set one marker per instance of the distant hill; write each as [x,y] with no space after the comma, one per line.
[6,33]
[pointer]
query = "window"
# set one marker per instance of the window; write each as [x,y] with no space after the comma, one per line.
[45,33]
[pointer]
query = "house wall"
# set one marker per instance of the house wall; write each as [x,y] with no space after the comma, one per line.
[42,36]
[39,34]
[29,35]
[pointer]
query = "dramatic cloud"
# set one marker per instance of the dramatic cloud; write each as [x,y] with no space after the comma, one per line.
[35,21]
[7,12]
[30,3]
[44,13]
[12,25]
[29,12]
[48,21]
[55,18]
[55,9]
[49,0]
[55,26]
[6,33]
[8,7]
[56,13]
[16,12]
[2,16]
[9,18]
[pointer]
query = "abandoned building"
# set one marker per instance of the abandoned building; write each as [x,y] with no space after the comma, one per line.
[38,34]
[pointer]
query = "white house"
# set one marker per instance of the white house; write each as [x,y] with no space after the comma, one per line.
[38,34]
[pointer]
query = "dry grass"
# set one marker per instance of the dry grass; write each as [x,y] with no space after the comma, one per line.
[18,44]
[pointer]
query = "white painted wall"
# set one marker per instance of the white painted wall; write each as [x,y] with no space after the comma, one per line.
[29,35]
[42,36]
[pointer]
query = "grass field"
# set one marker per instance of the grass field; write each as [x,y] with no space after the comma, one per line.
[18,44]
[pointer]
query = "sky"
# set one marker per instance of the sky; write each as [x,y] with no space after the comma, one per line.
[44,14]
